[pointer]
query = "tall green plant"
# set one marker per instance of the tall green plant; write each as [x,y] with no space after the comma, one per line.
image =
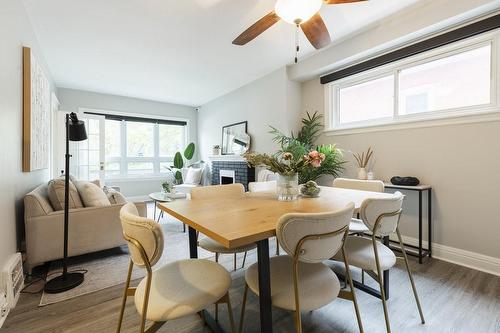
[304,141]
[179,160]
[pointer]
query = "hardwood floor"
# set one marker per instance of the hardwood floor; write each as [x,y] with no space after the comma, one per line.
[454,299]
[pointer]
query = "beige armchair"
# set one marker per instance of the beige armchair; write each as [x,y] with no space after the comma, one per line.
[91,229]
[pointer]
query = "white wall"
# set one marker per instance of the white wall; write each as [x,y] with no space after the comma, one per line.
[71,100]
[15,32]
[272,100]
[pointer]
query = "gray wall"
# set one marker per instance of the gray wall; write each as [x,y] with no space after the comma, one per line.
[271,100]
[15,32]
[71,100]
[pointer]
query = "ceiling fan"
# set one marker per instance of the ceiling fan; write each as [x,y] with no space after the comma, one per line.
[301,13]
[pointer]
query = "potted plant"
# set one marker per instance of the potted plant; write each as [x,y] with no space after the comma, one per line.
[363,159]
[304,141]
[287,166]
[167,186]
[179,162]
[216,150]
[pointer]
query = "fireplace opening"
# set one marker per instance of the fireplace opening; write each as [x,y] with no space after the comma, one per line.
[226,177]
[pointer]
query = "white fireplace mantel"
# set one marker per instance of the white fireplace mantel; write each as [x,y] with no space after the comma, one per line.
[227,158]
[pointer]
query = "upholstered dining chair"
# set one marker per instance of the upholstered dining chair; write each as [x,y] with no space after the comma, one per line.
[267,186]
[300,281]
[175,290]
[381,217]
[357,226]
[221,192]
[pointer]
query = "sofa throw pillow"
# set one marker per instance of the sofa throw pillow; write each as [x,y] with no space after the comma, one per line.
[92,195]
[55,191]
[193,176]
[114,196]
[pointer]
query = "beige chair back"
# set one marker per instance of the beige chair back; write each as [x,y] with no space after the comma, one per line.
[293,227]
[143,230]
[372,209]
[269,186]
[218,191]
[362,185]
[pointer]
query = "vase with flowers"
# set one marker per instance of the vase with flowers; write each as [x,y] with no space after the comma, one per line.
[287,166]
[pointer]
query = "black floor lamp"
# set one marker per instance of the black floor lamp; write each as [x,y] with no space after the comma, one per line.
[75,131]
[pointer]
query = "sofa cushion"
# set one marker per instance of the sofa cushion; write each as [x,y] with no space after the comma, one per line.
[193,176]
[92,195]
[36,202]
[114,196]
[55,192]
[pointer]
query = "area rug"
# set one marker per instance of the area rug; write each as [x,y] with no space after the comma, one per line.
[109,268]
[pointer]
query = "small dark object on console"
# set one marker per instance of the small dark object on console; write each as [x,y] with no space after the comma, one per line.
[405,181]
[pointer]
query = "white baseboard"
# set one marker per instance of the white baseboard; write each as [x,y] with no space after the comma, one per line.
[460,257]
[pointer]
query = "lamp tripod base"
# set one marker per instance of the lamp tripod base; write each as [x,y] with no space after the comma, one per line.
[63,282]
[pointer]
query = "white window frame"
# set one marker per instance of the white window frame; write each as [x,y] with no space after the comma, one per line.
[124,159]
[469,114]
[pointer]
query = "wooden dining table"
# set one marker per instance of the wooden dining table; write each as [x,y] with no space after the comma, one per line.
[252,218]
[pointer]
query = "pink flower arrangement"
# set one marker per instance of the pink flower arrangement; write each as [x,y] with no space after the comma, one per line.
[315,158]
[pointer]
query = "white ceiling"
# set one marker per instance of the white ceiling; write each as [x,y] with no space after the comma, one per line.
[176,51]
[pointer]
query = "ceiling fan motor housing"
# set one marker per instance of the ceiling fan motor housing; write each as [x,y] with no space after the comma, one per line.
[297,11]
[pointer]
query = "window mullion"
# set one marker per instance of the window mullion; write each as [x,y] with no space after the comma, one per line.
[156,147]
[123,149]
[396,93]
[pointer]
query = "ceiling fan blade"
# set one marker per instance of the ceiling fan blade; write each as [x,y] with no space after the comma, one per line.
[338,2]
[316,31]
[257,28]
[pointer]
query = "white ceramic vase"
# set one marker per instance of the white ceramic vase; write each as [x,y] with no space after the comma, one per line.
[362,174]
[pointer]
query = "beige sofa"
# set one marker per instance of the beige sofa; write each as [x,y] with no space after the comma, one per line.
[90,229]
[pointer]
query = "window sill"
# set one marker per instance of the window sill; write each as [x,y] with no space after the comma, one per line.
[490,114]
[136,178]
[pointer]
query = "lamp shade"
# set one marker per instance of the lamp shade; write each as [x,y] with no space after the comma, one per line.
[297,11]
[76,129]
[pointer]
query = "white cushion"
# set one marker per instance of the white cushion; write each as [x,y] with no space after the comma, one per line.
[360,253]
[193,176]
[213,246]
[318,285]
[356,225]
[182,288]
[92,195]
[114,196]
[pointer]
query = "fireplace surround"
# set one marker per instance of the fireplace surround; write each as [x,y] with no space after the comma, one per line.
[228,169]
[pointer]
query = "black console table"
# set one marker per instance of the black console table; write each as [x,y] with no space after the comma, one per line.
[418,251]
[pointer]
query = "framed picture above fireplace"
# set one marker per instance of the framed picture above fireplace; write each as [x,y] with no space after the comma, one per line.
[235,139]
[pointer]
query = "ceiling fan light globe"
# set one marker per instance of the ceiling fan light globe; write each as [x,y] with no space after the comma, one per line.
[297,11]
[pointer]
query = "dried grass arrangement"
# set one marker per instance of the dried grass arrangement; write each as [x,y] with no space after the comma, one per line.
[363,158]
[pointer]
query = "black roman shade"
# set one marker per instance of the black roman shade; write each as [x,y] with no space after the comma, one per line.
[139,119]
[461,33]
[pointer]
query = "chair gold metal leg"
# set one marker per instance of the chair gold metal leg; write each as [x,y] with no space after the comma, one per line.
[230,312]
[234,263]
[381,284]
[125,294]
[411,277]
[351,286]
[146,300]
[243,305]
[298,316]
[244,259]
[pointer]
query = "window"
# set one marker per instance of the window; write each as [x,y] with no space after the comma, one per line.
[367,100]
[454,80]
[127,146]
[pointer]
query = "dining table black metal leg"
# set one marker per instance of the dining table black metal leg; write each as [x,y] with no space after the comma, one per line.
[385,274]
[193,243]
[266,320]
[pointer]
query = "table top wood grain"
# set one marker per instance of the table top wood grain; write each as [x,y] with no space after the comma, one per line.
[239,221]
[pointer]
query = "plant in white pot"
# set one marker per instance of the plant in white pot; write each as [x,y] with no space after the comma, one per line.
[363,159]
